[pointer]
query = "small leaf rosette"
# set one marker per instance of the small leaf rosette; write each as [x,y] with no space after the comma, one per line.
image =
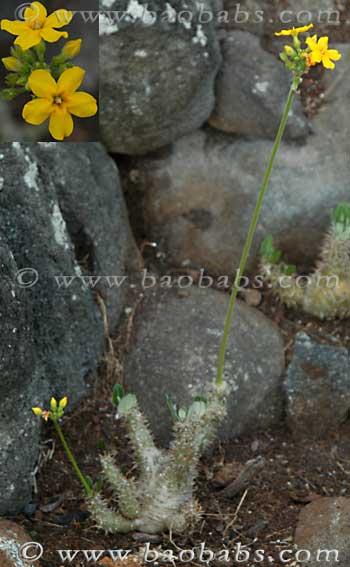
[52,84]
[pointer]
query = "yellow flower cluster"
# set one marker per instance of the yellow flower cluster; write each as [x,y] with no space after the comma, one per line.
[56,409]
[53,86]
[299,59]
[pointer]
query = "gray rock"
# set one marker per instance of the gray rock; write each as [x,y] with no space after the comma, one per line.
[12,538]
[199,196]
[156,80]
[301,12]
[248,15]
[317,387]
[59,205]
[324,526]
[251,91]
[175,351]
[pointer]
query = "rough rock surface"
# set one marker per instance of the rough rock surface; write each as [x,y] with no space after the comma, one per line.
[12,538]
[250,97]
[200,194]
[324,525]
[175,351]
[61,212]
[157,79]
[317,387]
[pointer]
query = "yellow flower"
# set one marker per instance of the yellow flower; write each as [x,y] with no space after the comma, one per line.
[37,411]
[58,101]
[72,48]
[11,63]
[53,404]
[37,25]
[320,52]
[63,403]
[295,31]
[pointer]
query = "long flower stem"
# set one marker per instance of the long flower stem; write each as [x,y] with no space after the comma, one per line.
[251,232]
[70,456]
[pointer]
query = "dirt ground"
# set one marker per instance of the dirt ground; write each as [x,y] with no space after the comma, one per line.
[264,516]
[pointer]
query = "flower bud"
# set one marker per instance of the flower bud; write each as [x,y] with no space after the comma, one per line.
[289,50]
[53,404]
[72,48]
[63,403]
[37,411]
[11,63]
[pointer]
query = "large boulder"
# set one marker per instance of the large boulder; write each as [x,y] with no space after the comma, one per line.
[62,218]
[323,533]
[317,387]
[251,91]
[199,195]
[175,351]
[156,77]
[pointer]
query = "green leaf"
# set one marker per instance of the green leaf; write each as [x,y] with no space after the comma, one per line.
[98,485]
[289,269]
[198,408]
[172,407]
[268,251]
[117,394]
[127,403]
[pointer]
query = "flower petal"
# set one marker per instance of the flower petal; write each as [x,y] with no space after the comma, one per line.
[323,43]
[333,54]
[36,12]
[58,19]
[37,111]
[50,35]
[16,28]
[316,57]
[312,42]
[70,80]
[42,84]
[327,63]
[61,124]
[82,104]
[28,39]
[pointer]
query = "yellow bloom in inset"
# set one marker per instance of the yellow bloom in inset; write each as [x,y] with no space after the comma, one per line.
[53,404]
[58,101]
[72,48]
[37,25]
[295,31]
[11,63]
[320,52]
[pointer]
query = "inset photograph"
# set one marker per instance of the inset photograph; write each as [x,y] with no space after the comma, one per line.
[49,71]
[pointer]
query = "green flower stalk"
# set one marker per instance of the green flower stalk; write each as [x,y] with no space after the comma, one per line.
[298,59]
[55,413]
[326,292]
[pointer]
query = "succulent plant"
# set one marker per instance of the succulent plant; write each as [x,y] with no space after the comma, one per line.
[325,293]
[162,497]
